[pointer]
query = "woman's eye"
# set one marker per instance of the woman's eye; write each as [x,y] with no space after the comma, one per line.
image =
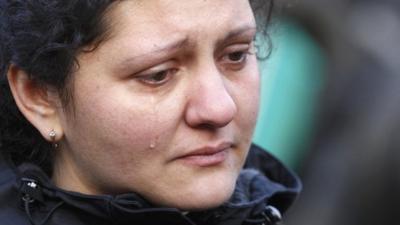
[235,60]
[157,78]
[237,56]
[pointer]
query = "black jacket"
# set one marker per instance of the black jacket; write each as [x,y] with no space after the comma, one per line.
[27,196]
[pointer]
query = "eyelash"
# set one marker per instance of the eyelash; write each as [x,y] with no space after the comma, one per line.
[153,78]
[242,59]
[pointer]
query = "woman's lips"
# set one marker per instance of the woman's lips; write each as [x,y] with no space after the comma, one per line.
[207,156]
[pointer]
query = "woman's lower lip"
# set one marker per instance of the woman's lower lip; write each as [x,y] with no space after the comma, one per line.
[206,160]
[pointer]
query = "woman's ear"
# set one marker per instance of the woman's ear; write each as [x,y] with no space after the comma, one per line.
[36,103]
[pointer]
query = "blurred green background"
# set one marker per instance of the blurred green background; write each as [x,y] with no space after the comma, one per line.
[291,81]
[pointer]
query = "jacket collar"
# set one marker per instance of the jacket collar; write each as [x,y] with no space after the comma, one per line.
[264,189]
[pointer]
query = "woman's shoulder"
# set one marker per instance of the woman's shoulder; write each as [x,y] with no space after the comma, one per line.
[11,208]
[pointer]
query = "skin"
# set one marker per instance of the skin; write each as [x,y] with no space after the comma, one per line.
[173,77]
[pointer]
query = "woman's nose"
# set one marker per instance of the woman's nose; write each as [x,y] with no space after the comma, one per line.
[210,103]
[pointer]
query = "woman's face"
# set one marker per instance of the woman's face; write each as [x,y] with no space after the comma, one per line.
[166,106]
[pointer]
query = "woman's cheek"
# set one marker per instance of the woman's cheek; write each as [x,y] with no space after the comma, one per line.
[144,124]
[248,93]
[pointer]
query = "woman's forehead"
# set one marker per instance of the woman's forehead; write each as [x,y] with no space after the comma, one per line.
[155,23]
[152,16]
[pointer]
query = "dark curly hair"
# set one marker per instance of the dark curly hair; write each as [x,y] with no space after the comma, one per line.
[43,38]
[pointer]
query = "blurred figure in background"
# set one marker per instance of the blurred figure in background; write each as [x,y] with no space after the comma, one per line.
[351,175]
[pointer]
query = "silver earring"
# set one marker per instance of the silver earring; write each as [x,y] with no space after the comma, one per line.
[52,135]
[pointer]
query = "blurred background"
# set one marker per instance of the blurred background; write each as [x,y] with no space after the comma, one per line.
[331,108]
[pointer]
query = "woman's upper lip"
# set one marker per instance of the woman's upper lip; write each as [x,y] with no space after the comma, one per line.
[207,150]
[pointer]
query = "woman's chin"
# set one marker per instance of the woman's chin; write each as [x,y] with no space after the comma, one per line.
[203,197]
[202,202]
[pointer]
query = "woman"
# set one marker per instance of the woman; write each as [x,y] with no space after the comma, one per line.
[133,112]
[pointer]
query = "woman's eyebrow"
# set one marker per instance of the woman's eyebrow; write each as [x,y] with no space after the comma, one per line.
[160,50]
[236,32]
